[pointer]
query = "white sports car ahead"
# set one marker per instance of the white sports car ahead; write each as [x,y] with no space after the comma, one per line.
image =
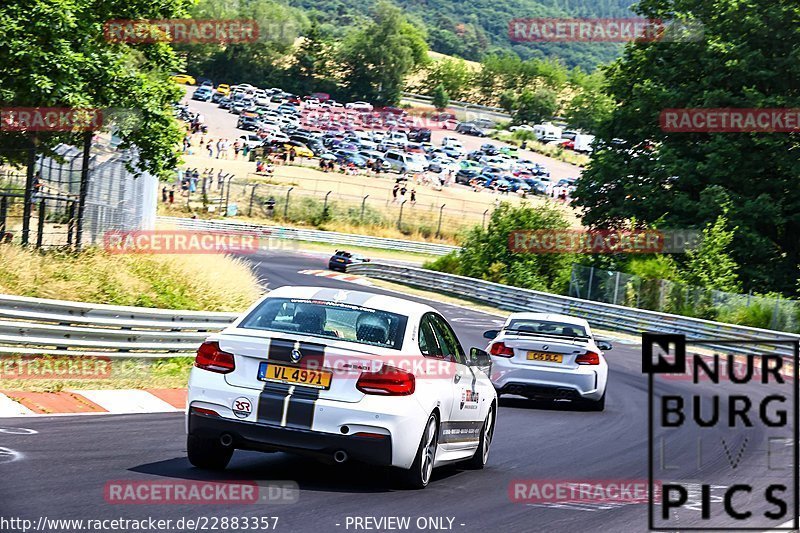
[341,375]
[539,355]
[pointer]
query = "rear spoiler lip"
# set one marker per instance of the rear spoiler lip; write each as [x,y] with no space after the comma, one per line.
[514,333]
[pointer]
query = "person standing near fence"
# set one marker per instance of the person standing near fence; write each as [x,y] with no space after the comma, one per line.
[172,195]
[164,196]
[209,147]
[220,180]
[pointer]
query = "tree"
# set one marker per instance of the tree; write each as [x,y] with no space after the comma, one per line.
[377,59]
[262,62]
[591,105]
[486,253]
[534,107]
[452,74]
[440,98]
[711,265]
[53,54]
[311,61]
[745,59]
[508,101]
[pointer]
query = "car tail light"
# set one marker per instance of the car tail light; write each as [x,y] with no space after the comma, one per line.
[388,381]
[501,350]
[211,357]
[589,358]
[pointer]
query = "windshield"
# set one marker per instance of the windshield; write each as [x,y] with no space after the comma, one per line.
[550,328]
[339,321]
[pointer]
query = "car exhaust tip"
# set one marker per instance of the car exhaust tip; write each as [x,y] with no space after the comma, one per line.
[340,456]
[226,439]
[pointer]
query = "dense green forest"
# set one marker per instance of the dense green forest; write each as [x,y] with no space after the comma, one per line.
[472,29]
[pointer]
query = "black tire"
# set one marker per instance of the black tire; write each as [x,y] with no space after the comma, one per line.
[478,461]
[596,405]
[419,475]
[208,454]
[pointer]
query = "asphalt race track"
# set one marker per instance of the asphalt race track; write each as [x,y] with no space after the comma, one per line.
[61,470]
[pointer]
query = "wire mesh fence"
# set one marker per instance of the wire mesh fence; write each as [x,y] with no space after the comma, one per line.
[414,209]
[665,296]
[116,197]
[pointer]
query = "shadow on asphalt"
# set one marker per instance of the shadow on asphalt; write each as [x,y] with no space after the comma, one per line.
[543,405]
[307,473]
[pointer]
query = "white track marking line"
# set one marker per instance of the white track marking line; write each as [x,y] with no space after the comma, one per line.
[10,408]
[127,401]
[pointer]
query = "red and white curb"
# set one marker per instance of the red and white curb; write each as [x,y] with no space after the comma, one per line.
[125,401]
[337,275]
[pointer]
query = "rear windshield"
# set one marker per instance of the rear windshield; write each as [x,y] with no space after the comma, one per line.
[338,321]
[551,328]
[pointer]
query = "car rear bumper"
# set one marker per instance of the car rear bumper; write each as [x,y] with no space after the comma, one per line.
[584,383]
[375,450]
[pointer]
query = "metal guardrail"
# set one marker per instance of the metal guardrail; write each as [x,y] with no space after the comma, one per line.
[600,315]
[498,111]
[310,235]
[54,327]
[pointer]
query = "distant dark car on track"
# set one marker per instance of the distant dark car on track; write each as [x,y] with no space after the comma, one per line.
[340,259]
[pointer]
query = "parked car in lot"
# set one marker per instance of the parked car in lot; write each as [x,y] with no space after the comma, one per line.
[403,162]
[248,121]
[225,102]
[419,135]
[549,356]
[252,140]
[466,175]
[300,149]
[341,375]
[348,157]
[359,106]
[542,185]
[203,94]
[518,185]
[183,79]
[468,128]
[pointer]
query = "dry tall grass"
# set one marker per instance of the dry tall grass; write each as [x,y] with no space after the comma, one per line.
[199,282]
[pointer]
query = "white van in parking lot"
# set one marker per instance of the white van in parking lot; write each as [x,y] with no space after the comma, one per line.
[547,132]
[402,162]
[583,143]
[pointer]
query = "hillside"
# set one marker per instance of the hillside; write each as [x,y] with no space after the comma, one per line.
[471,29]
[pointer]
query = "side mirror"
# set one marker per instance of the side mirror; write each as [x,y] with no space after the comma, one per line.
[604,345]
[491,334]
[479,357]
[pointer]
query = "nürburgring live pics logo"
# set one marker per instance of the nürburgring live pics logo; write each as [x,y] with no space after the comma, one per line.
[723,443]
